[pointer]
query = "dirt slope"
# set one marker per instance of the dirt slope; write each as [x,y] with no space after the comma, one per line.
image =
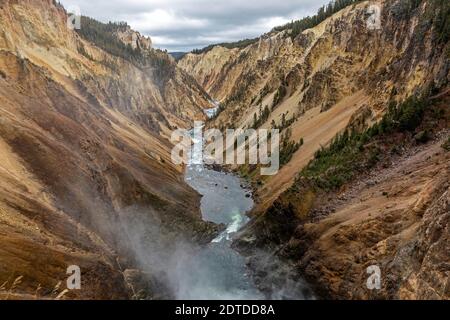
[398,219]
[340,76]
[85,170]
[390,210]
[339,64]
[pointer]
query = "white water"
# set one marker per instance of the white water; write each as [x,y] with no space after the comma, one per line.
[212,112]
[218,272]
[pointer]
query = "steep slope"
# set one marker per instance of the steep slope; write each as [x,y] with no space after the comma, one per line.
[377,199]
[369,182]
[86,176]
[341,70]
[400,224]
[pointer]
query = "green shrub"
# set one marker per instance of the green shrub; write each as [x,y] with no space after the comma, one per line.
[103,36]
[324,12]
[349,153]
[279,96]
[288,147]
[296,27]
[422,137]
[264,114]
[410,115]
[230,45]
[446,145]
[440,11]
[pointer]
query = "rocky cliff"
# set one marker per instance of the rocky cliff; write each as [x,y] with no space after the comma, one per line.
[134,39]
[367,183]
[377,199]
[85,173]
[314,83]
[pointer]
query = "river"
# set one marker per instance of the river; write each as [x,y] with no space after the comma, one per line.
[218,272]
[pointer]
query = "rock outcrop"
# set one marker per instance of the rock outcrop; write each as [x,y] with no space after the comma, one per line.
[85,175]
[343,75]
[317,82]
[134,39]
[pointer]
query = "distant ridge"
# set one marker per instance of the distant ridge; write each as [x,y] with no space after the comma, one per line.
[177,55]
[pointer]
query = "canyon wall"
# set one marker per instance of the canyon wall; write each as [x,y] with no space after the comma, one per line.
[86,176]
[368,184]
[314,84]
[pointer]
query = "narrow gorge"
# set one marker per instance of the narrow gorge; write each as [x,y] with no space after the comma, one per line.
[364,120]
[87,176]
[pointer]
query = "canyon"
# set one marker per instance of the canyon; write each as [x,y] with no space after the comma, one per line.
[87,179]
[86,157]
[330,214]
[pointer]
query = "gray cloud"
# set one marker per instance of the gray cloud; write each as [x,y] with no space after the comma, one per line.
[181,25]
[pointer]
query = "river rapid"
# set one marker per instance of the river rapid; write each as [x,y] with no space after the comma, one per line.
[219,272]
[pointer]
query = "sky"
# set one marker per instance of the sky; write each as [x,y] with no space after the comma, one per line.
[182,25]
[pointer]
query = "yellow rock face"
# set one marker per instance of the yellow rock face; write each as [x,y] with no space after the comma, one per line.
[341,74]
[335,70]
[84,154]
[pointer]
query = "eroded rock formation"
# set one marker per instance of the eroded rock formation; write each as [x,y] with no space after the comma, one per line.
[85,173]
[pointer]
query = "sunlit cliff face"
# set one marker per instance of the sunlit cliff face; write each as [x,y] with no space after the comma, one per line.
[87,177]
[83,139]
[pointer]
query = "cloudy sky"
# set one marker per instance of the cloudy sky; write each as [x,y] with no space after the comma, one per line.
[181,25]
